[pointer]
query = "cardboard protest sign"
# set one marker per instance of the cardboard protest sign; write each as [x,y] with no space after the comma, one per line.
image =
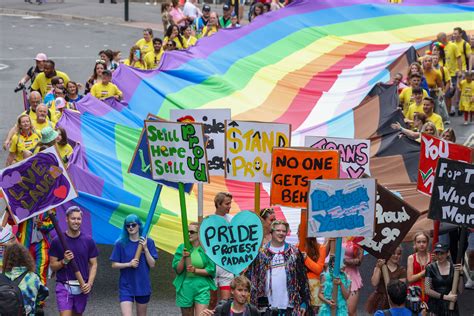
[177,151]
[354,153]
[452,200]
[431,150]
[36,185]
[249,149]
[213,121]
[340,208]
[232,246]
[293,168]
[393,220]
[140,164]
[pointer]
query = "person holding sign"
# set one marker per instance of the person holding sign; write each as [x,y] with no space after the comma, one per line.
[417,262]
[439,282]
[378,299]
[343,284]
[134,283]
[279,274]
[71,298]
[194,275]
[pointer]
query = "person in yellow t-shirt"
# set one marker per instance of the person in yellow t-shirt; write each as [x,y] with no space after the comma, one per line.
[188,38]
[145,44]
[445,77]
[65,150]
[415,107]
[428,107]
[42,121]
[61,104]
[464,47]
[135,58]
[406,97]
[452,55]
[466,102]
[152,59]
[432,76]
[212,26]
[24,141]
[172,34]
[106,89]
[42,82]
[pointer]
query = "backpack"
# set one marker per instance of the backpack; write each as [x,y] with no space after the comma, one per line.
[11,298]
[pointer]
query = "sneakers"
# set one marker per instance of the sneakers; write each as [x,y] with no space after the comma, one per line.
[465,123]
[447,122]
[469,284]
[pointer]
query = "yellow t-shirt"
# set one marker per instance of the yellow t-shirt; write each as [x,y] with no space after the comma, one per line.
[176,40]
[432,76]
[445,76]
[406,98]
[412,109]
[65,151]
[34,117]
[452,53]
[460,46]
[43,84]
[437,121]
[102,91]
[465,102]
[21,142]
[152,59]
[211,31]
[39,126]
[191,41]
[145,46]
[138,64]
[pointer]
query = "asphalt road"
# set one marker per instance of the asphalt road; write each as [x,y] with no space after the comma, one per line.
[74,47]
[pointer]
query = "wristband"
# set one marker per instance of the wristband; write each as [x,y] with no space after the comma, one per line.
[442,297]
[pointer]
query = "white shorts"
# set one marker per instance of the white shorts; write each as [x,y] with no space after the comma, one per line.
[223,277]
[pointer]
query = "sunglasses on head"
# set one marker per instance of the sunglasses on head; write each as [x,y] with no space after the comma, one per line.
[265,211]
[131,225]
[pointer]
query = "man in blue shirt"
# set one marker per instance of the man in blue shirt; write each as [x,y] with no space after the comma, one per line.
[397,293]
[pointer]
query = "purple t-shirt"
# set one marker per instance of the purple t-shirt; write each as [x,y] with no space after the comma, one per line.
[133,281]
[83,248]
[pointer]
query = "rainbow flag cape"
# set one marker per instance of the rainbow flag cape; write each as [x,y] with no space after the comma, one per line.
[314,64]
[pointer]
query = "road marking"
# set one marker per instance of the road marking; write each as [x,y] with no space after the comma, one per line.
[10,48]
[86,46]
[67,46]
[52,57]
[50,46]
[30,17]
[3,66]
[86,23]
[13,26]
[106,45]
[124,45]
[67,24]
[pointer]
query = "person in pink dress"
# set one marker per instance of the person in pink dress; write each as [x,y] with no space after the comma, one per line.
[352,259]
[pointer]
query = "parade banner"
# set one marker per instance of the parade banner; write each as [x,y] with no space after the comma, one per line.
[355,153]
[293,168]
[452,200]
[249,149]
[431,150]
[341,208]
[232,246]
[177,151]
[140,164]
[36,185]
[213,121]
[393,220]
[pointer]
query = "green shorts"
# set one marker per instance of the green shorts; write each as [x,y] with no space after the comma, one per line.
[194,290]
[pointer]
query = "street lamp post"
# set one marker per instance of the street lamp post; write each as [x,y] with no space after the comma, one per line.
[126,10]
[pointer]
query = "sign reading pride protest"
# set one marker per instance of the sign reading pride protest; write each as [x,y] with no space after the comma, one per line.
[213,121]
[452,200]
[36,185]
[177,151]
[355,153]
[232,246]
[393,220]
[293,168]
[249,149]
[431,150]
[340,208]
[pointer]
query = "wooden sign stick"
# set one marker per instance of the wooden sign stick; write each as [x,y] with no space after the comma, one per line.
[200,201]
[454,289]
[257,198]
[386,280]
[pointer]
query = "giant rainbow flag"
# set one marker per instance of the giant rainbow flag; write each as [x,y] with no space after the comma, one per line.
[314,64]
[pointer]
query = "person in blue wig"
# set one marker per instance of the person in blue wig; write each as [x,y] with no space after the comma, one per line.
[134,283]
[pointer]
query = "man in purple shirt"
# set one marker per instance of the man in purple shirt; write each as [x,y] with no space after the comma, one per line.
[70,296]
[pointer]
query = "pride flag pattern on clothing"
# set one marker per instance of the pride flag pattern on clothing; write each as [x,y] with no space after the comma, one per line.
[314,64]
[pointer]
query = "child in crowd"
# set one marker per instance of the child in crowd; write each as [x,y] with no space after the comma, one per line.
[325,291]
[106,89]
[466,102]
[417,263]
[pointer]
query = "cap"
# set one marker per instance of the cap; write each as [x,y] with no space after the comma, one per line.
[206,7]
[60,103]
[226,7]
[41,57]
[439,247]
[48,134]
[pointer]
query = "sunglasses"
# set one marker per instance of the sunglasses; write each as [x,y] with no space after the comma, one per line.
[131,225]
[266,211]
[192,232]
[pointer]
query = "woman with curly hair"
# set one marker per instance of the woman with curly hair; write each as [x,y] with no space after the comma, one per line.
[18,263]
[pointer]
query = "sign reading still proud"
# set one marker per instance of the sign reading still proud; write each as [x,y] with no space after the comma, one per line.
[177,151]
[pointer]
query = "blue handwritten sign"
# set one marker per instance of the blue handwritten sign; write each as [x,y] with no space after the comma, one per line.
[339,208]
[232,246]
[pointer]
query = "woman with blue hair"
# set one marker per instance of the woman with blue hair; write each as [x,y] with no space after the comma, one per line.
[134,283]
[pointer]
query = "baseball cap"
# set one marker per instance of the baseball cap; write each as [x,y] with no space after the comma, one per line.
[226,7]
[439,247]
[206,7]
[60,103]
[41,57]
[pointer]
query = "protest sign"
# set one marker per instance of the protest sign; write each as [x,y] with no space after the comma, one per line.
[452,200]
[354,153]
[249,149]
[393,220]
[293,168]
[340,208]
[213,121]
[36,185]
[431,150]
[232,246]
[177,151]
[140,164]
